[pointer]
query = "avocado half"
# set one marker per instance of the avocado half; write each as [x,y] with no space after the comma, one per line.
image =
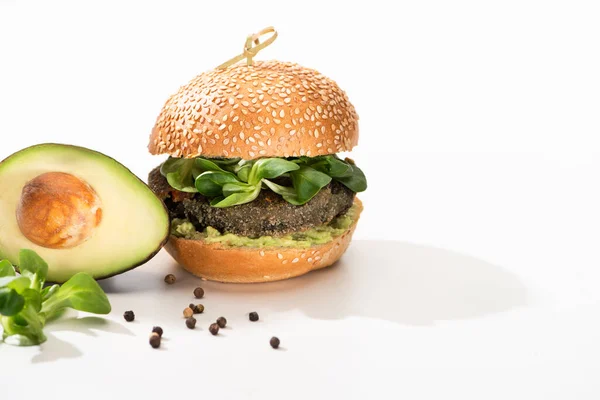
[80,210]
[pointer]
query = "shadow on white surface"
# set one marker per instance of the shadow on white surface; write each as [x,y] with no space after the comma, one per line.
[142,279]
[396,281]
[87,326]
[55,349]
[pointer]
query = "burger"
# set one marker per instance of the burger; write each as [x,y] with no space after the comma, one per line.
[255,185]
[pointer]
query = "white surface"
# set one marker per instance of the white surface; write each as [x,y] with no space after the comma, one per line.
[479,136]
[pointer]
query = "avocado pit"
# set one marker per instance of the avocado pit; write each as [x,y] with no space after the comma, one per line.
[58,210]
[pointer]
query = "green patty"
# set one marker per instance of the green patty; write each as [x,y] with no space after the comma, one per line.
[315,236]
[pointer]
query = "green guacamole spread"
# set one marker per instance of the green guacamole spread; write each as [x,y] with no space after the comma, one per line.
[319,235]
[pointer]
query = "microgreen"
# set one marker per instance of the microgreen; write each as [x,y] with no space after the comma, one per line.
[229,182]
[26,305]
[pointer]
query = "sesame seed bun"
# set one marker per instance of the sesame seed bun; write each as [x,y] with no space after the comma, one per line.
[268,109]
[220,263]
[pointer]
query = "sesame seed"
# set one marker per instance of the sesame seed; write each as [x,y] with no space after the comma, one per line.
[215,102]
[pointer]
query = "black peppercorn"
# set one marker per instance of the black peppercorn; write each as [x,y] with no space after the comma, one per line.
[214,329]
[155,340]
[274,342]
[199,293]
[190,322]
[221,321]
[129,316]
[157,329]
[253,316]
[170,279]
[198,309]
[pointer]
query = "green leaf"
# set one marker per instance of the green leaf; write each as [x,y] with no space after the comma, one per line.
[356,181]
[269,168]
[220,178]
[180,173]
[180,182]
[216,200]
[6,269]
[348,174]
[174,164]
[228,163]
[33,267]
[243,172]
[33,298]
[24,328]
[237,187]
[288,193]
[49,291]
[11,302]
[82,293]
[210,183]
[307,183]
[237,198]
[25,307]
[279,189]
[18,283]
[217,164]
[208,165]
[332,166]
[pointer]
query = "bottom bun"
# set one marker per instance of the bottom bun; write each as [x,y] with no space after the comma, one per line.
[216,262]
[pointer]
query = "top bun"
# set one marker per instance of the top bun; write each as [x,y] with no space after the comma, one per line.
[268,109]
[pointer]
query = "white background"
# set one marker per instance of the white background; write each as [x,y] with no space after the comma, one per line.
[475,273]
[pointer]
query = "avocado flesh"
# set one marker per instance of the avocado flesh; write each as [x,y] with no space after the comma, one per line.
[134,225]
[314,236]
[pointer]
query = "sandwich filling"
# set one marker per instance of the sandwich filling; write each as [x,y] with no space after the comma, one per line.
[293,202]
[321,234]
